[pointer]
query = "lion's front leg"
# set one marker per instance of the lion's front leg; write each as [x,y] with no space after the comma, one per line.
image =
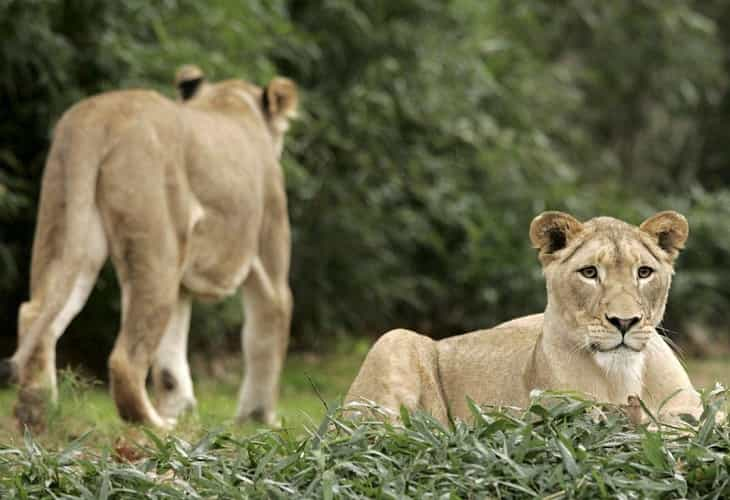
[267,303]
[671,412]
[268,308]
[667,390]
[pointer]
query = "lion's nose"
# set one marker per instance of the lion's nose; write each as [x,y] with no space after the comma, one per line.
[623,324]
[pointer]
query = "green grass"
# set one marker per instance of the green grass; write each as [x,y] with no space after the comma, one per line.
[560,447]
[705,372]
[86,405]
[555,449]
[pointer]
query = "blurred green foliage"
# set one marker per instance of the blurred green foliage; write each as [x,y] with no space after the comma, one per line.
[430,134]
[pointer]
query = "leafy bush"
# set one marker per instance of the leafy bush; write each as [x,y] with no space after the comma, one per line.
[561,447]
[430,135]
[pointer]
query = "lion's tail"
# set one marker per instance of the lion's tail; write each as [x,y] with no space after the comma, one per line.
[60,245]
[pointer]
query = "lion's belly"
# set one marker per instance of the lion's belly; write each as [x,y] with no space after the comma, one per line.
[206,284]
[227,178]
[220,254]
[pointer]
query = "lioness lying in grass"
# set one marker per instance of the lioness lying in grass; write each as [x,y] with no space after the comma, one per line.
[607,286]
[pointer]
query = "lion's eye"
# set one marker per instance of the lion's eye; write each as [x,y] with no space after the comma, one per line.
[590,272]
[644,272]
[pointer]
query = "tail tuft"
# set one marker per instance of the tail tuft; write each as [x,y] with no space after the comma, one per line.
[8,372]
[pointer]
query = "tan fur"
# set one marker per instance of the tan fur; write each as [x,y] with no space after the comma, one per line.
[572,346]
[188,200]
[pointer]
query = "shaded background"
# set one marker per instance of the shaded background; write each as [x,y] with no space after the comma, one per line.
[431,133]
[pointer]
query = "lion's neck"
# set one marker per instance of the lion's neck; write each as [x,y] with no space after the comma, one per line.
[560,365]
[624,374]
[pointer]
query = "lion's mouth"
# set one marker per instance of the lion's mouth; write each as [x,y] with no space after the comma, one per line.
[620,347]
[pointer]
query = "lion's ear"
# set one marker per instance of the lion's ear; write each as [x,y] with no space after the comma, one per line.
[669,230]
[552,231]
[188,80]
[280,98]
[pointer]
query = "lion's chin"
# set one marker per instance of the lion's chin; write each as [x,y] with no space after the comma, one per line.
[625,349]
[623,367]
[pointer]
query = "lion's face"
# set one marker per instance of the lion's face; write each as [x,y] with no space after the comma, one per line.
[607,280]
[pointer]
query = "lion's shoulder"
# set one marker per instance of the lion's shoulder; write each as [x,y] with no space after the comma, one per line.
[507,338]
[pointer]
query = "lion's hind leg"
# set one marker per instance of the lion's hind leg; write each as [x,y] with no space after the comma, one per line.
[145,256]
[171,372]
[34,364]
[401,369]
[267,303]
[147,310]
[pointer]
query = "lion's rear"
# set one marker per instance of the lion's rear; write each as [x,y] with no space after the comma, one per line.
[70,244]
